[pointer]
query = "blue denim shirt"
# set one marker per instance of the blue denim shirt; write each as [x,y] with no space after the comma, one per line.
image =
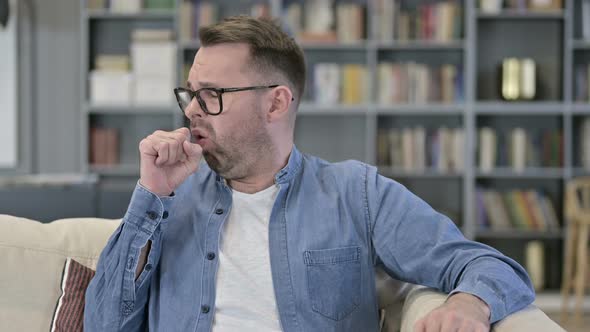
[330,226]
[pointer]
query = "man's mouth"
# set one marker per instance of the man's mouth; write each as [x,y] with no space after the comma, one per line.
[199,137]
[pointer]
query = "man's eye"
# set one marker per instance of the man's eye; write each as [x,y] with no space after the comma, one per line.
[211,93]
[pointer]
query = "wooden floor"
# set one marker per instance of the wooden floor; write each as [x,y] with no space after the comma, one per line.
[569,325]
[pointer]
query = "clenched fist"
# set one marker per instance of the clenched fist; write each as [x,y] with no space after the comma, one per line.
[167,159]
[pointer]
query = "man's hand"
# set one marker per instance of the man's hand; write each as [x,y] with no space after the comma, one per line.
[461,312]
[167,159]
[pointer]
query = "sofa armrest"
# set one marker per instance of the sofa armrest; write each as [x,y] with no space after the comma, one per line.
[421,301]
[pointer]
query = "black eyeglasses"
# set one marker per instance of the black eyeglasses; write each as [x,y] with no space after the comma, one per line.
[210,99]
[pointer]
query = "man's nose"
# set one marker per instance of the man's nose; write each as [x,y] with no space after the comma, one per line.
[194,109]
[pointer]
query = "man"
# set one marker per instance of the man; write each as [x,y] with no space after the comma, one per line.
[264,238]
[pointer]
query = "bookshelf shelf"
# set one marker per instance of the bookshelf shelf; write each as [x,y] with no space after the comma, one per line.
[417,45]
[581,108]
[420,109]
[309,108]
[520,108]
[116,170]
[519,15]
[96,14]
[519,234]
[528,173]
[130,110]
[427,174]
[356,46]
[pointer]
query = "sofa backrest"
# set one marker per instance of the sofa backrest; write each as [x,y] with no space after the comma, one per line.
[32,258]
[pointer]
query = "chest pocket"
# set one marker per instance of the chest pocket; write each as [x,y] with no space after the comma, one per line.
[334,280]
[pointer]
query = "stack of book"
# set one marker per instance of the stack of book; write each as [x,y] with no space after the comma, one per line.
[104,146]
[439,21]
[515,209]
[519,149]
[334,83]
[131,6]
[417,149]
[153,56]
[419,83]
[323,21]
[111,81]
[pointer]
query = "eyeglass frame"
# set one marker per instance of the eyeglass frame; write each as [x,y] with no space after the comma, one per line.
[220,91]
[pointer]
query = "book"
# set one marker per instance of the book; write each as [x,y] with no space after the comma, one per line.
[110,62]
[109,87]
[535,263]
[487,149]
[104,146]
[518,140]
[326,83]
[510,85]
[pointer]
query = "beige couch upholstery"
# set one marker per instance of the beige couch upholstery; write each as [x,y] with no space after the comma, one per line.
[32,257]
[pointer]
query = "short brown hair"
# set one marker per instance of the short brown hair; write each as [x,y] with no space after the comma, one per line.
[271,49]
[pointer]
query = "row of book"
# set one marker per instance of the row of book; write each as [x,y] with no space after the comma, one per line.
[196,14]
[419,83]
[339,84]
[519,149]
[521,6]
[131,6]
[145,77]
[326,21]
[104,146]
[418,149]
[438,21]
[515,209]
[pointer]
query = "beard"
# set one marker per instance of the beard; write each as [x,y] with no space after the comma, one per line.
[235,155]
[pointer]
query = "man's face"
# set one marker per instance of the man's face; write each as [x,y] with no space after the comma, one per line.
[234,140]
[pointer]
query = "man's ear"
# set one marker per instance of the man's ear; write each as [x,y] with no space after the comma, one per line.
[282,97]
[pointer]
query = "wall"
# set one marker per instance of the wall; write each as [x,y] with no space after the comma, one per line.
[8,92]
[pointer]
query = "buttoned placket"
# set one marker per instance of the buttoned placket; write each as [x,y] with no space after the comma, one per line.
[210,261]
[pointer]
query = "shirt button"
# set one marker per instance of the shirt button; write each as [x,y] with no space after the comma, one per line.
[211,256]
[152,215]
[205,309]
[165,215]
[148,267]
[219,211]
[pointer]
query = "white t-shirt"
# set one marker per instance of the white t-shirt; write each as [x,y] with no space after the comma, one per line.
[245,299]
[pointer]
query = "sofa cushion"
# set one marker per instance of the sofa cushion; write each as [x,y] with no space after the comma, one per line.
[32,258]
[69,314]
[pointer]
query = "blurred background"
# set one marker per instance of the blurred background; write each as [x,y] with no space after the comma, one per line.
[479,107]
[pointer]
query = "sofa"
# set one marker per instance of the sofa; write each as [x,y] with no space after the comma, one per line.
[33,254]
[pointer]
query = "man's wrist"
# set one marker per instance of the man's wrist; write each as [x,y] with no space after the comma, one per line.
[471,299]
[156,192]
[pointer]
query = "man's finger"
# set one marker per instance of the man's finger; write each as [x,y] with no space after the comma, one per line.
[433,323]
[420,326]
[162,148]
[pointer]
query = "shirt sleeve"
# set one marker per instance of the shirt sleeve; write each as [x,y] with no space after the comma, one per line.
[114,299]
[419,245]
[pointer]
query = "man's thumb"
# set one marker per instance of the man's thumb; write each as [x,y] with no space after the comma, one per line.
[192,149]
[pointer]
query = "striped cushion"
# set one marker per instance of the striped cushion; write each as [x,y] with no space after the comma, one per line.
[69,314]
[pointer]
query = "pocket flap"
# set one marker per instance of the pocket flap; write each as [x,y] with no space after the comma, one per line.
[331,256]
